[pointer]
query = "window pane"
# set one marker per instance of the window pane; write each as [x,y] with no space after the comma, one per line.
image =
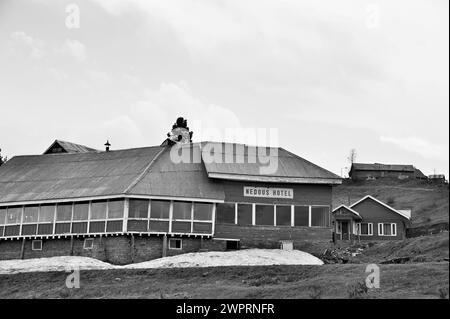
[115,209]
[138,208]
[283,215]
[181,227]
[98,210]
[244,214]
[14,215]
[62,228]
[159,226]
[320,216]
[140,225]
[79,228]
[29,229]
[97,227]
[160,209]
[2,216]
[81,211]
[301,215]
[387,229]
[30,214]
[264,215]
[203,211]
[114,226]
[45,229]
[182,210]
[47,213]
[64,212]
[364,229]
[202,228]
[225,213]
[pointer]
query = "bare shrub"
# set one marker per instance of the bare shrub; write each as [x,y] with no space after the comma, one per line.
[443,293]
[315,292]
[358,291]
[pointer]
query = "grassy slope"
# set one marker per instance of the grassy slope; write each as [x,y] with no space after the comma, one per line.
[330,281]
[429,202]
[423,248]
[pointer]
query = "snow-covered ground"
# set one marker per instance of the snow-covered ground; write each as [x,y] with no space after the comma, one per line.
[248,257]
[51,264]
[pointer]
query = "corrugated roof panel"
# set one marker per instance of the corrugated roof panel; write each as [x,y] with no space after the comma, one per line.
[167,178]
[57,176]
[288,165]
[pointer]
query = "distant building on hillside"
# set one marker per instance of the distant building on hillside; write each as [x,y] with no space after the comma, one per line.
[437,178]
[364,171]
[370,219]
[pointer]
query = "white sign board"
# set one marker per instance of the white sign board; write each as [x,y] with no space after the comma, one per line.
[268,192]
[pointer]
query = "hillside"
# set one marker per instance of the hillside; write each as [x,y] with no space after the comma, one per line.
[429,202]
[418,280]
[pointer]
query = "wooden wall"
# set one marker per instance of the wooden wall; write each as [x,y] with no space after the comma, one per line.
[303,194]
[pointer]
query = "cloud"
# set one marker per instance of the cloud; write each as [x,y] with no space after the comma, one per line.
[98,76]
[420,146]
[162,106]
[34,47]
[38,49]
[75,49]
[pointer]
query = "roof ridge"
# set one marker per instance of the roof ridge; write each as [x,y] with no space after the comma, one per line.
[145,171]
[381,203]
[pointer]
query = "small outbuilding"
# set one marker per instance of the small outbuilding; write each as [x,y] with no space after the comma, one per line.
[370,219]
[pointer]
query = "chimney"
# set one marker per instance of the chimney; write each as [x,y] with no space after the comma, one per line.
[107,145]
[179,134]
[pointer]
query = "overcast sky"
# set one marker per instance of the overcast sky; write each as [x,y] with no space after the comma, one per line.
[330,75]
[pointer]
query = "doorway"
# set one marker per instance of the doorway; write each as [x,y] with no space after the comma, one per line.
[345,227]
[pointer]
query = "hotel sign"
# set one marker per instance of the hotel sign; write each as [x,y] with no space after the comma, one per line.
[268,192]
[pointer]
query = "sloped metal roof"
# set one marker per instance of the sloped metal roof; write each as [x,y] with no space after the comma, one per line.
[247,165]
[149,171]
[60,176]
[186,179]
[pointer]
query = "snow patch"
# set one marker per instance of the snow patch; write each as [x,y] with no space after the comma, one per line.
[248,257]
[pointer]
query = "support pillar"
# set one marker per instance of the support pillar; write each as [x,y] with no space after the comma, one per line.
[71,245]
[164,246]
[132,248]
[22,248]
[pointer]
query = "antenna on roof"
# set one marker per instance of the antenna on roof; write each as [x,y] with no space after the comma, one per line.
[107,144]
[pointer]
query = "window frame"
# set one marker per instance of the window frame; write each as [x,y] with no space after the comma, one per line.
[35,241]
[369,229]
[148,209]
[256,215]
[234,204]
[311,216]
[175,240]
[91,240]
[276,215]
[39,214]
[393,227]
[252,214]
